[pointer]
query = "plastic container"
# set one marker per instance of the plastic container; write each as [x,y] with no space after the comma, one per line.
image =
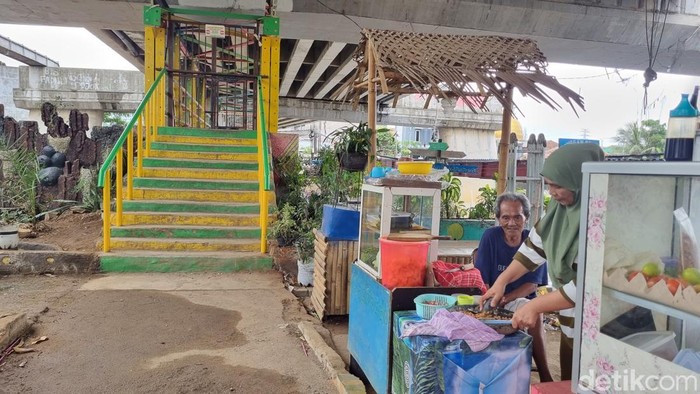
[659,343]
[688,358]
[340,223]
[403,264]
[415,167]
[680,135]
[464,299]
[424,307]
[9,236]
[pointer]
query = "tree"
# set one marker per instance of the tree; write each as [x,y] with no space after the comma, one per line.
[116,118]
[647,137]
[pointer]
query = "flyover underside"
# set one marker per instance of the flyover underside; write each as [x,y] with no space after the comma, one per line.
[400,116]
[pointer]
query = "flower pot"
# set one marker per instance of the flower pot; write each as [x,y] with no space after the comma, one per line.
[9,236]
[352,161]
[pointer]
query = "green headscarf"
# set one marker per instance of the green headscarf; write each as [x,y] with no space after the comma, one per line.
[559,228]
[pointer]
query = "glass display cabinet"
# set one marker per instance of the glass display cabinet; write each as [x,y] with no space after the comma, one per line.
[638,286]
[396,210]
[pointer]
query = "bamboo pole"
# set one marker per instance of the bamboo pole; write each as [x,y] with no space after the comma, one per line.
[505,138]
[371,102]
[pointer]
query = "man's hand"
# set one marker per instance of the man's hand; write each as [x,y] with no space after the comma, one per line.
[494,295]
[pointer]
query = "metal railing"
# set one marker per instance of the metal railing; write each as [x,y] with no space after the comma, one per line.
[263,167]
[149,115]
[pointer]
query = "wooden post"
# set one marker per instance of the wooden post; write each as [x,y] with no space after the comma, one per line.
[371,102]
[505,138]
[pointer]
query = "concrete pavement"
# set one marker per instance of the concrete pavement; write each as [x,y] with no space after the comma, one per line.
[169,332]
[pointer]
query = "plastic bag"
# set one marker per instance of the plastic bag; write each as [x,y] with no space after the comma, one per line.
[689,243]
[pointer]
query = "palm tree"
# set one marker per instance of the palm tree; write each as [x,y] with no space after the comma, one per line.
[647,137]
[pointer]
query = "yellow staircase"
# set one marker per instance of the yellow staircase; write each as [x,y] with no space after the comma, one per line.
[195,207]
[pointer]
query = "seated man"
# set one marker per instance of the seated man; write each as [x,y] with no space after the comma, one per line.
[496,249]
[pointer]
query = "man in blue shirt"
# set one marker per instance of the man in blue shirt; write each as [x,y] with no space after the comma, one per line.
[496,249]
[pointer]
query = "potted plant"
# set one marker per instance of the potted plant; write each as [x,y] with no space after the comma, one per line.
[285,228]
[352,145]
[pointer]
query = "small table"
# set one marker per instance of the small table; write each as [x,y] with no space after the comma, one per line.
[458,252]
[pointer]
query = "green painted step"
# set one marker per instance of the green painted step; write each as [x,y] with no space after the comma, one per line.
[186,245]
[189,206]
[148,231]
[172,146]
[194,132]
[194,184]
[183,262]
[209,164]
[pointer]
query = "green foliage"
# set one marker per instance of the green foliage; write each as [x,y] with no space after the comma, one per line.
[451,204]
[91,196]
[635,138]
[285,228]
[352,139]
[116,118]
[484,209]
[19,189]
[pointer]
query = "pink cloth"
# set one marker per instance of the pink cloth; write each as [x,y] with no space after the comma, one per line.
[456,325]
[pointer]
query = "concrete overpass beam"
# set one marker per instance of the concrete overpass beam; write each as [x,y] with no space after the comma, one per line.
[329,54]
[23,54]
[343,112]
[301,49]
[346,68]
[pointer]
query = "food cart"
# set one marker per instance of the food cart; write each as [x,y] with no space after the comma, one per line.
[638,305]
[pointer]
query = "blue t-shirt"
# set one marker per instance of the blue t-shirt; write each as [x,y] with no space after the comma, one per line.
[494,256]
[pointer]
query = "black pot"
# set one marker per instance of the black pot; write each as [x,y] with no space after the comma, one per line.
[352,161]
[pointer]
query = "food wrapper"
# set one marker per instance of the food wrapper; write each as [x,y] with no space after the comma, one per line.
[689,243]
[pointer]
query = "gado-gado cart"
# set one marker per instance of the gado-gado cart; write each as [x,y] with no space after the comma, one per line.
[638,307]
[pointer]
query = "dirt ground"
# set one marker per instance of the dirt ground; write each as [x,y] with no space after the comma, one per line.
[70,231]
[170,333]
[82,232]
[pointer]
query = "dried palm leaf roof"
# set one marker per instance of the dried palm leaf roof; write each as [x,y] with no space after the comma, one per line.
[454,66]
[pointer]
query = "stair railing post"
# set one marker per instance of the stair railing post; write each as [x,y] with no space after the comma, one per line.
[106,210]
[130,165]
[139,145]
[118,184]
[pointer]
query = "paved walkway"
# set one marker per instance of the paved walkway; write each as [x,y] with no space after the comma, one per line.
[144,333]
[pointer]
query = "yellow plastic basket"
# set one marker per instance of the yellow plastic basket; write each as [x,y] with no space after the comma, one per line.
[415,167]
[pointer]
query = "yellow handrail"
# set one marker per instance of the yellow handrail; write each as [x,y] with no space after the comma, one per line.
[149,114]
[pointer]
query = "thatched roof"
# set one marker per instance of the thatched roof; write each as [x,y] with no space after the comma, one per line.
[470,67]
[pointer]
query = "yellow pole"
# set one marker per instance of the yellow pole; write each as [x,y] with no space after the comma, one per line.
[130,165]
[270,67]
[118,184]
[106,201]
[261,183]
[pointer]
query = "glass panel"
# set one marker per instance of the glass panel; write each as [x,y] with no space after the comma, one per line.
[651,277]
[412,213]
[370,228]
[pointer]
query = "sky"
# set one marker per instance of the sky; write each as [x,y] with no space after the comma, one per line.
[612,97]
